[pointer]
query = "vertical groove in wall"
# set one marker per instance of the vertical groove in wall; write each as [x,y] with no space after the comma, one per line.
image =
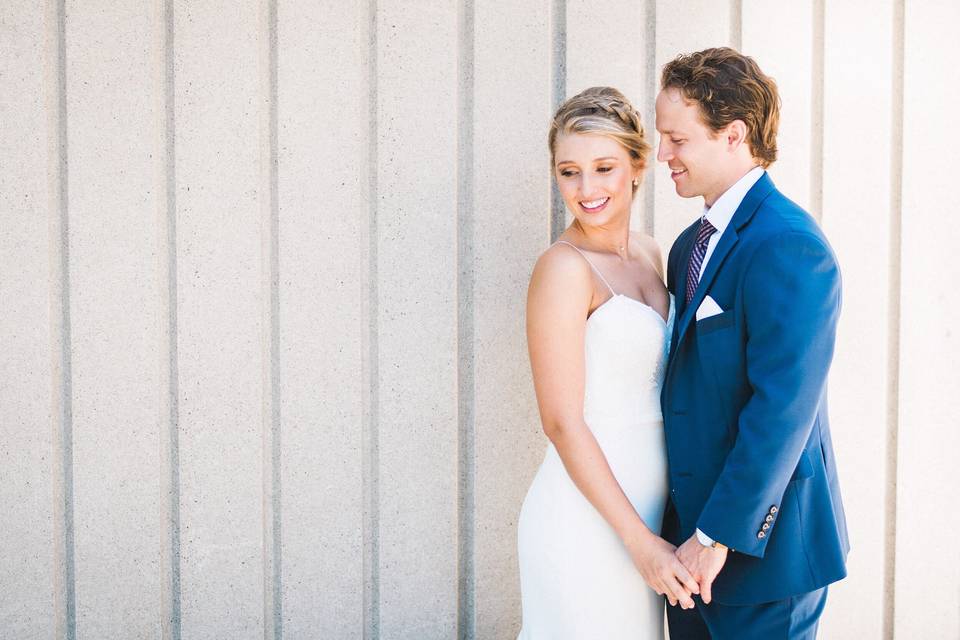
[466,570]
[558,33]
[169,359]
[60,336]
[816,111]
[649,114]
[736,24]
[370,358]
[893,315]
[270,290]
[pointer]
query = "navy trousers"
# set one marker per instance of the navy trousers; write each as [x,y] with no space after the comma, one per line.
[790,619]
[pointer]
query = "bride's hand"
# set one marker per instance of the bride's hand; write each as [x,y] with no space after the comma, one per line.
[657,562]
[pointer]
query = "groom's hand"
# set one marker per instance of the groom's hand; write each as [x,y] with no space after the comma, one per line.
[703,563]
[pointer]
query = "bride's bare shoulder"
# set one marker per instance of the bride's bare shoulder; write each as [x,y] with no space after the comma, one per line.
[560,262]
[559,272]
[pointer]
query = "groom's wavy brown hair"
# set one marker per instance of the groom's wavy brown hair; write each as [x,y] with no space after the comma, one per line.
[729,86]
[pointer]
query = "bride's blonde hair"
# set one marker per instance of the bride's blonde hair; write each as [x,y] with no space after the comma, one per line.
[602,111]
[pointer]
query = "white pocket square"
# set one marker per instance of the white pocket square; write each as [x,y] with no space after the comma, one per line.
[708,308]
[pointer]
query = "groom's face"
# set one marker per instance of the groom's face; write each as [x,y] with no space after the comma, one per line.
[697,156]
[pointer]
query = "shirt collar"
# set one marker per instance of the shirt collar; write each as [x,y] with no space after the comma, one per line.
[720,214]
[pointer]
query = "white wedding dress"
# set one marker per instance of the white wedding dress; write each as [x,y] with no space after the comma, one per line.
[577,580]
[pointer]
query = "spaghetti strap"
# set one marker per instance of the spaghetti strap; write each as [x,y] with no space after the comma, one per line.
[592,266]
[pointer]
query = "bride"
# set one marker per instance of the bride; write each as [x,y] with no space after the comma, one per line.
[599,319]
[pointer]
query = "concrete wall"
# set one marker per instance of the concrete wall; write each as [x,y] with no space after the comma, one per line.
[262,273]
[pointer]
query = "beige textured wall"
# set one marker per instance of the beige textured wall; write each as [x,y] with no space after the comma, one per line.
[262,266]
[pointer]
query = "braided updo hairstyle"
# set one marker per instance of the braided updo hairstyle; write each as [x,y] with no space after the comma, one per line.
[602,111]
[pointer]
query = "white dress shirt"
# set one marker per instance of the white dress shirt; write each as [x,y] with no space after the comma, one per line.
[719,215]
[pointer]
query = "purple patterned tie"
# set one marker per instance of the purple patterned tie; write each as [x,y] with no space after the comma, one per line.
[696,256]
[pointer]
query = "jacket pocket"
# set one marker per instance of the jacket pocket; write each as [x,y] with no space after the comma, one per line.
[713,323]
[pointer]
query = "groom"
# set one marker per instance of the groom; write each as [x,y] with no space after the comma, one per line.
[754,501]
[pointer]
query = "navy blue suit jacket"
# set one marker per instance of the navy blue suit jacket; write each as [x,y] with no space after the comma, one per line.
[745,403]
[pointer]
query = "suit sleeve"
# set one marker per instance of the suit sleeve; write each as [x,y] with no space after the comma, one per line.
[791,298]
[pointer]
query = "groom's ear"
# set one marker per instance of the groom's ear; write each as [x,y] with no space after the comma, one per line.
[735,134]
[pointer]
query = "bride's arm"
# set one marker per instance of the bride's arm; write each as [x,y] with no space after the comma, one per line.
[558,301]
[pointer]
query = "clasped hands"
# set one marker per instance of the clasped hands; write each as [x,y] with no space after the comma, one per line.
[679,572]
[703,564]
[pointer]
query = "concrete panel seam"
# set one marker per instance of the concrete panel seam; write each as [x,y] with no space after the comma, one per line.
[816,111]
[60,334]
[370,368]
[649,114]
[466,365]
[170,597]
[558,69]
[893,315]
[736,24]
[270,327]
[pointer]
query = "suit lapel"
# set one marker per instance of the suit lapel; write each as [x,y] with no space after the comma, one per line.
[678,273]
[680,278]
[751,202]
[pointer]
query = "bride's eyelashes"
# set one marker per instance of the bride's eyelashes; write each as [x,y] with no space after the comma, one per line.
[568,173]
